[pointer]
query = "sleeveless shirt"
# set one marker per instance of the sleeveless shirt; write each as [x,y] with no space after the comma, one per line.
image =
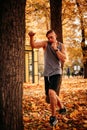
[52,65]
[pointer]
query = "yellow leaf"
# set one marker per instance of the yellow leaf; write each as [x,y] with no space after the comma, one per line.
[74,114]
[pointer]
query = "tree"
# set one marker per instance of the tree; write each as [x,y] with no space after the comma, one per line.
[12,37]
[37,18]
[56,21]
[74,25]
[84,47]
[56,17]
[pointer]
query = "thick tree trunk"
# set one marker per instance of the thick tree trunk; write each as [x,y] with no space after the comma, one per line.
[85,70]
[12,37]
[84,51]
[56,23]
[56,17]
[84,47]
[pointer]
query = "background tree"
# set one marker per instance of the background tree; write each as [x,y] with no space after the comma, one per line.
[74,30]
[38,19]
[56,17]
[12,39]
[81,13]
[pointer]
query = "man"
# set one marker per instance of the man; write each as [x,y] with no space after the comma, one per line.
[54,55]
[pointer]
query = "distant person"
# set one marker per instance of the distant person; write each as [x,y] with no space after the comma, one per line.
[54,54]
[68,72]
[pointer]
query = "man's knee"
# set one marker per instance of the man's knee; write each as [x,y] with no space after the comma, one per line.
[52,96]
[52,93]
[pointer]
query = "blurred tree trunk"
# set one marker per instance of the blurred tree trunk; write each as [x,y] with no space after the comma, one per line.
[56,17]
[12,38]
[56,23]
[83,45]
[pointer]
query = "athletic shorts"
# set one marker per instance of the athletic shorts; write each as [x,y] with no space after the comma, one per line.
[53,82]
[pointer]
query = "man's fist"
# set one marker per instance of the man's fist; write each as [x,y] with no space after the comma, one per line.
[54,46]
[31,33]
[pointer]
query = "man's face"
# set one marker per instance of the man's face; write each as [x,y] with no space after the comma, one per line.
[52,37]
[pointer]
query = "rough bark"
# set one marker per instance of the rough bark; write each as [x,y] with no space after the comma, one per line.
[56,17]
[56,23]
[84,47]
[12,37]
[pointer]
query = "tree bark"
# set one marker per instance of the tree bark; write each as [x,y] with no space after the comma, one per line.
[85,70]
[56,17]
[12,38]
[56,23]
[84,47]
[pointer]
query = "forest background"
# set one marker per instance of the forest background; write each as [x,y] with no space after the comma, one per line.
[74,21]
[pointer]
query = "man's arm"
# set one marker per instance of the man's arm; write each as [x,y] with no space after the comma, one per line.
[36,44]
[61,54]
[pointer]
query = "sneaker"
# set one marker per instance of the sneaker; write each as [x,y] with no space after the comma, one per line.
[53,120]
[62,111]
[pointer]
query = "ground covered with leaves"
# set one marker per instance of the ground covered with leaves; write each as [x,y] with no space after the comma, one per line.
[36,111]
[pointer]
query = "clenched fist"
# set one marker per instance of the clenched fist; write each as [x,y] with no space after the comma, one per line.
[54,45]
[31,33]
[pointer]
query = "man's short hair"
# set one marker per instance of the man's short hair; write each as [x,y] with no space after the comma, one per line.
[50,31]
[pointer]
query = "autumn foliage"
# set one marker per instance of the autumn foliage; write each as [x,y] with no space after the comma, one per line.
[36,111]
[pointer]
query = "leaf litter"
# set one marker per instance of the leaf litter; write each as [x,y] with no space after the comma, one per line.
[36,111]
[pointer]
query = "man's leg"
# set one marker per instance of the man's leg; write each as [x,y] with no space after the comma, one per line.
[53,104]
[62,109]
[46,82]
[59,84]
[53,101]
[54,87]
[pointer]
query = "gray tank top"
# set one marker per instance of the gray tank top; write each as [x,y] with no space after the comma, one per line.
[52,64]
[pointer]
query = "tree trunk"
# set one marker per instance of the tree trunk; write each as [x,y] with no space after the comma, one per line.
[12,38]
[85,70]
[56,14]
[84,47]
[56,23]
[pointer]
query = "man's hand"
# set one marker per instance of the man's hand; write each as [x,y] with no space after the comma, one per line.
[54,46]
[31,33]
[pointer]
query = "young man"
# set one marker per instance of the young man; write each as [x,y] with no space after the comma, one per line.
[54,55]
